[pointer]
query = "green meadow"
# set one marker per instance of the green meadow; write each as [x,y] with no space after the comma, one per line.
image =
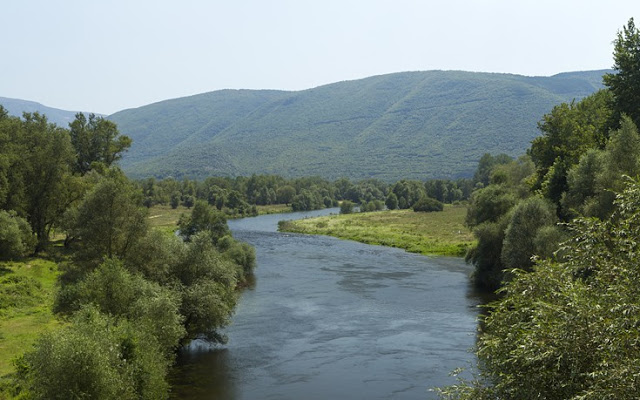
[434,233]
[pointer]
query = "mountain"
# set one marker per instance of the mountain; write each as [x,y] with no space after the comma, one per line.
[433,124]
[16,107]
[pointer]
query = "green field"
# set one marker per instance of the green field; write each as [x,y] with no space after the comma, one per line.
[435,233]
[26,298]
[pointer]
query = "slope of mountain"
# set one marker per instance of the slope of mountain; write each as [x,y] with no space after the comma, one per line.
[16,107]
[433,124]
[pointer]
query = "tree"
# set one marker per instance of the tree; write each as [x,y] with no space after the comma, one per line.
[486,164]
[489,204]
[582,187]
[346,207]
[624,83]
[16,239]
[41,176]
[96,357]
[519,244]
[203,218]
[109,220]
[285,194]
[392,201]
[427,204]
[568,131]
[568,330]
[486,254]
[96,140]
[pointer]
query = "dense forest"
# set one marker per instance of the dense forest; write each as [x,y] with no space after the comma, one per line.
[557,231]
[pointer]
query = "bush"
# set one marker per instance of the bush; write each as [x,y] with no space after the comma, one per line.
[346,207]
[427,204]
[96,358]
[204,218]
[16,239]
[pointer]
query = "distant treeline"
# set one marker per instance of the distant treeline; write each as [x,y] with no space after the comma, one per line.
[239,196]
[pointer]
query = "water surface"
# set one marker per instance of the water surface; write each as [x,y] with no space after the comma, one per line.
[334,319]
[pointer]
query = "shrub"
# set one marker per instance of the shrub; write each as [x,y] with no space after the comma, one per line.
[16,239]
[346,207]
[427,204]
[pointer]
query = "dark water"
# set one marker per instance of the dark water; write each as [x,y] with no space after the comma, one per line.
[333,319]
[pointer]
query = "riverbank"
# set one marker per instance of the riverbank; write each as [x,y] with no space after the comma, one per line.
[434,233]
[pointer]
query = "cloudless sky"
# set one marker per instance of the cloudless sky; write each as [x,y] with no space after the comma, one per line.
[107,55]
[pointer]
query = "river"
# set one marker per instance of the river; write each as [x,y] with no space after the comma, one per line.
[334,319]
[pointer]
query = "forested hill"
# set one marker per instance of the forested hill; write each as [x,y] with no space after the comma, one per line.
[434,124]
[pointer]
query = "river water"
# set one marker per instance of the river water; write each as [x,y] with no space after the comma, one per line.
[334,319]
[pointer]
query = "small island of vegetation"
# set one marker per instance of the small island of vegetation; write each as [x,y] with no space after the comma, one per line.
[437,233]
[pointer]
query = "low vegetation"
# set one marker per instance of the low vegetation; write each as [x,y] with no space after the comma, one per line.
[435,233]
[26,298]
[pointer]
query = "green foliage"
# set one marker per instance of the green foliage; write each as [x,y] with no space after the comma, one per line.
[408,192]
[427,204]
[489,204]
[109,219]
[373,205]
[568,330]
[346,207]
[96,357]
[372,128]
[582,184]
[240,253]
[116,292]
[624,83]
[96,140]
[19,291]
[486,164]
[285,194]
[35,160]
[569,131]
[392,201]
[203,218]
[16,239]
[486,254]
[527,218]
[592,182]
[307,200]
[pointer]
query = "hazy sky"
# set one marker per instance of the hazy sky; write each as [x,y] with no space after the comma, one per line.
[105,56]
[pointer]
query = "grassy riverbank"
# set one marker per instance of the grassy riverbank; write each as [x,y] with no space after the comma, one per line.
[434,233]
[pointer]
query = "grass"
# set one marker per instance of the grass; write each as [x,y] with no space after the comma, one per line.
[434,233]
[165,217]
[274,209]
[26,298]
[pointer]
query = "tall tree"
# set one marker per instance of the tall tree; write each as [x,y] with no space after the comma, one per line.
[44,174]
[96,140]
[625,82]
[109,220]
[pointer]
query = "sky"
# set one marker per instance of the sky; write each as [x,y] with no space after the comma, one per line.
[104,56]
